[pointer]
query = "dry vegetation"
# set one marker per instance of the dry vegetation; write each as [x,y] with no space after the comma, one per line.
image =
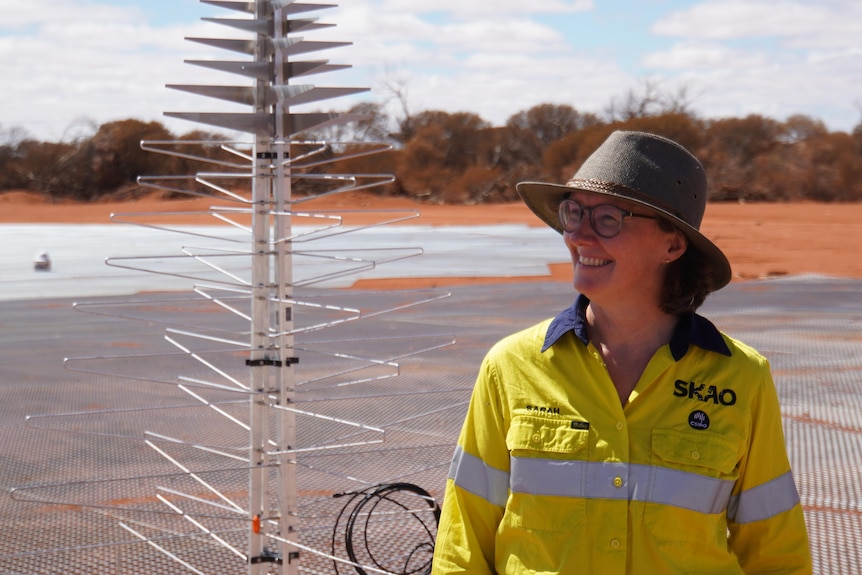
[458,158]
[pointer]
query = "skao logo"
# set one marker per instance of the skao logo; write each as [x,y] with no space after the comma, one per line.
[701,392]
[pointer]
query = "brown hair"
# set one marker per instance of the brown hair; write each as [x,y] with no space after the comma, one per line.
[687,280]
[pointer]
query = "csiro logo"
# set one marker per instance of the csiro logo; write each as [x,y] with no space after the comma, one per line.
[698,419]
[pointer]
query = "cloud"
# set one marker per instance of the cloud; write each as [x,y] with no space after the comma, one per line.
[775,58]
[742,19]
[64,70]
[494,58]
[795,24]
[445,60]
[496,9]
[694,55]
[18,15]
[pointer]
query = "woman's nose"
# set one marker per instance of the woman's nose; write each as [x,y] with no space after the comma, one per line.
[582,229]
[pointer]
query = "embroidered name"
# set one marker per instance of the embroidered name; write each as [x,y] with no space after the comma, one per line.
[544,409]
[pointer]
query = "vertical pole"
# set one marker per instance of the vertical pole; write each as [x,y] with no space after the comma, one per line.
[286,427]
[260,356]
[272,320]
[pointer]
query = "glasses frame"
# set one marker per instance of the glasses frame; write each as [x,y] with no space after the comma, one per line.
[590,212]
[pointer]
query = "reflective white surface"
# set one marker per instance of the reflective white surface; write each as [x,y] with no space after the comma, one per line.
[78,254]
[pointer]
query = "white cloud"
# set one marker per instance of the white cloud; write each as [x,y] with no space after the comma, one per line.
[742,19]
[735,83]
[702,55]
[795,24]
[468,9]
[493,58]
[493,66]
[19,14]
[105,67]
[496,87]
[775,58]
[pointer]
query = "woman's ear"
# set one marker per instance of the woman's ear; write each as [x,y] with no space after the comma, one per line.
[676,246]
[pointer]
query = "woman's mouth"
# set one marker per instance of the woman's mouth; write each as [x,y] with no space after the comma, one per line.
[592,262]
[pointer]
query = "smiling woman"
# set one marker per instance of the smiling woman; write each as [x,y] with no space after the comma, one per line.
[653,418]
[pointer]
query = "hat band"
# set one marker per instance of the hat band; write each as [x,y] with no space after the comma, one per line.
[625,192]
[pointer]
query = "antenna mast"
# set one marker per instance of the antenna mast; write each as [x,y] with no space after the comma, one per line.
[273,124]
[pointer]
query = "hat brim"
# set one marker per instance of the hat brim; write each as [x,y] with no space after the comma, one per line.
[544,199]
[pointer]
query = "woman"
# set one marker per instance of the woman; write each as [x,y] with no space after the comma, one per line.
[627,434]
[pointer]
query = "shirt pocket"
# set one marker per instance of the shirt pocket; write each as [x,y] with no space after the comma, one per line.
[695,451]
[692,477]
[548,458]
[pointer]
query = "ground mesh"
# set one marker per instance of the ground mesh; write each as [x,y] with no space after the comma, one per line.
[87,484]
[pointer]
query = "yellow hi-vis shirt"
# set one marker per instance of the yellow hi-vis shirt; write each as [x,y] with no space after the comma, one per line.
[553,475]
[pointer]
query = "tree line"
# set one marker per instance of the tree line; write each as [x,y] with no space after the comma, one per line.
[459,158]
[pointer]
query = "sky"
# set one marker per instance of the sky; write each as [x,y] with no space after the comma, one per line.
[69,65]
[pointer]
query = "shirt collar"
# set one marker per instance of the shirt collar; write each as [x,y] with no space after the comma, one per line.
[691,329]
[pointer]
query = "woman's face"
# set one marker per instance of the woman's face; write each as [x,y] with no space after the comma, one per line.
[628,268]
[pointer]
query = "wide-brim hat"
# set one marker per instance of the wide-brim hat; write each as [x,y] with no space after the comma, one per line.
[646,169]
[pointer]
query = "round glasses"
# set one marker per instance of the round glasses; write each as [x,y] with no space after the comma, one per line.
[606,219]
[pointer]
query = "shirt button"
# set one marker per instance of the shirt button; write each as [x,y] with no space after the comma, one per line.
[615,543]
[695,454]
[620,426]
[536,438]
[618,481]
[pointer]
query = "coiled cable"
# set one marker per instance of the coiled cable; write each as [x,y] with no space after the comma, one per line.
[382,529]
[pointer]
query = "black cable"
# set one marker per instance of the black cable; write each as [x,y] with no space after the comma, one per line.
[366,502]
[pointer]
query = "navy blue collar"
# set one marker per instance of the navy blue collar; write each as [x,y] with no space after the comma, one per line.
[691,329]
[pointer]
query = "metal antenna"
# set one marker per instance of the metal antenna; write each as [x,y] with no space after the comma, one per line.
[272,401]
[271,354]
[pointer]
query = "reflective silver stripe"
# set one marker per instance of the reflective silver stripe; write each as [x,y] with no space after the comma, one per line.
[472,474]
[598,480]
[764,501]
[682,489]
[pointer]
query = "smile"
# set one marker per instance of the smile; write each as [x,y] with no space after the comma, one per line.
[592,262]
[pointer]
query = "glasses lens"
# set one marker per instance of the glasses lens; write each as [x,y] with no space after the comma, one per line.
[570,214]
[607,220]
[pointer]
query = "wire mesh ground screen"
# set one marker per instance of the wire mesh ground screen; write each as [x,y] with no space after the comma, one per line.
[90,461]
[259,419]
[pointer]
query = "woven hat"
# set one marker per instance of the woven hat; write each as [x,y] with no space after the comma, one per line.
[649,170]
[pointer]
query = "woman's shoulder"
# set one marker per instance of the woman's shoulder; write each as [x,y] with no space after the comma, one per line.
[743,354]
[526,340]
[706,335]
